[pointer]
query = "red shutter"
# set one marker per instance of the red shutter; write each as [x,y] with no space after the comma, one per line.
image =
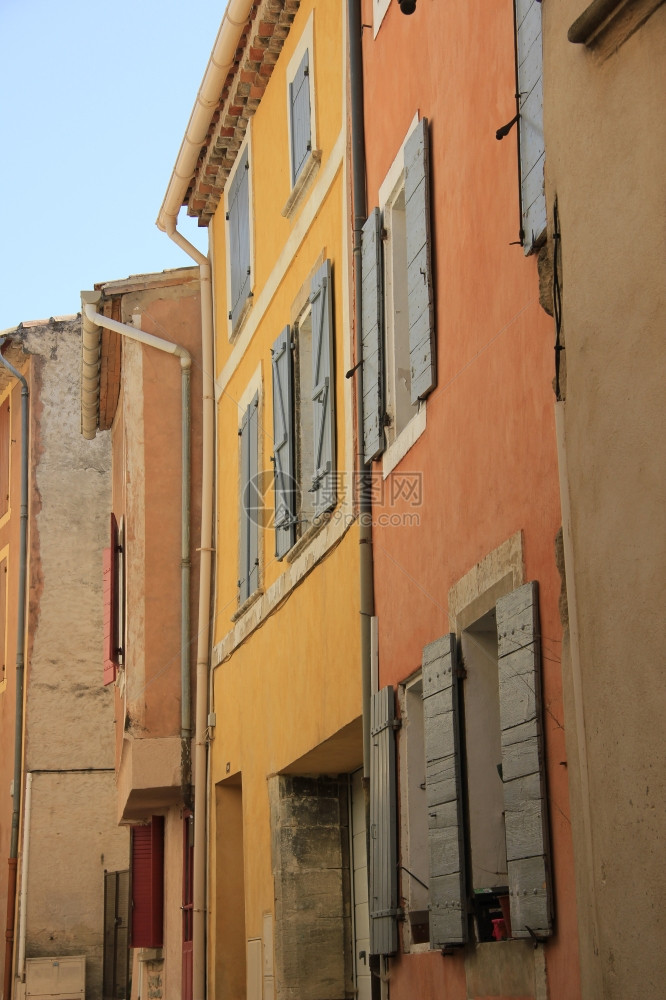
[110,588]
[148,884]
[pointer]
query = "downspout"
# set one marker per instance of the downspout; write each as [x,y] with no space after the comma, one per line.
[91,320]
[203,630]
[20,674]
[23,905]
[360,212]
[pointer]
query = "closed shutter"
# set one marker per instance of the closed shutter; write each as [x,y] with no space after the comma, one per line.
[323,390]
[239,238]
[420,301]
[383,859]
[523,774]
[147,873]
[248,580]
[448,912]
[372,328]
[299,100]
[109,590]
[283,443]
[529,66]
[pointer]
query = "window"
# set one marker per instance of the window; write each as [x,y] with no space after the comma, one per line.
[304,416]
[529,69]
[250,501]
[484,786]
[113,570]
[304,157]
[398,306]
[239,240]
[147,876]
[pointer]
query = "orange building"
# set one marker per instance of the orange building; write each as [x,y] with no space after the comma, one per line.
[472,889]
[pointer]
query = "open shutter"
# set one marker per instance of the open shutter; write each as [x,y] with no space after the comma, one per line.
[147,875]
[383,858]
[299,100]
[529,67]
[372,330]
[283,443]
[248,575]
[525,811]
[239,238]
[420,301]
[109,588]
[323,390]
[448,912]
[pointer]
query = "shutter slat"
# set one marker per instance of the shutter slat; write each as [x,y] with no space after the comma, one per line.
[525,808]
[448,912]
[383,860]
[530,87]
[283,443]
[372,328]
[323,390]
[420,299]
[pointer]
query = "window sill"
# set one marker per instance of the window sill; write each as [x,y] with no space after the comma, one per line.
[247,604]
[407,437]
[307,174]
[308,536]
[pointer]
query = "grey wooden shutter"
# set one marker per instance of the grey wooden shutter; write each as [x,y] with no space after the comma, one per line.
[299,100]
[283,443]
[239,238]
[372,330]
[448,910]
[420,301]
[248,577]
[525,810]
[529,65]
[323,390]
[383,860]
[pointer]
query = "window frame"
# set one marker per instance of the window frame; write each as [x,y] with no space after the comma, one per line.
[299,180]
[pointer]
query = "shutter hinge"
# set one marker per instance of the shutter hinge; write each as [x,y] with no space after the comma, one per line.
[505,129]
[226,216]
[396,724]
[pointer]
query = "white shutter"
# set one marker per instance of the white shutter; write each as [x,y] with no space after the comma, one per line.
[383,841]
[283,443]
[420,301]
[529,61]
[525,811]
[323,390]
[448,911]
[372,335]
[299,100]
[239,238]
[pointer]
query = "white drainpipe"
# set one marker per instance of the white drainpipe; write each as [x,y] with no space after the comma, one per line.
[23,904]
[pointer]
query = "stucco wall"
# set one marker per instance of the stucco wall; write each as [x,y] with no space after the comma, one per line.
[606,144]
[69,730]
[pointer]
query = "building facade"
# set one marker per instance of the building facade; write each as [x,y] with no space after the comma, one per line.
[141,382]
[59,827]
[604,74]
[472,887]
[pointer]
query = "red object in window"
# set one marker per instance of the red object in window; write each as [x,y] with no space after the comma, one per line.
[147,873]
[110,600]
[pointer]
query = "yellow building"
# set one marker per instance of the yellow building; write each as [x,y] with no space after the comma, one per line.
[285,799]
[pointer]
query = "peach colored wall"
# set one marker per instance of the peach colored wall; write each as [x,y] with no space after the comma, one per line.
[488,455]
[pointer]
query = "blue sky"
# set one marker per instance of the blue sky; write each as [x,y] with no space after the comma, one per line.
[94,101]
